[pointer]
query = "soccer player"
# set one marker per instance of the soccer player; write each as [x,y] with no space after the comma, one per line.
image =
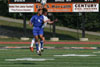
[45,11]
[45,20]
[37,21]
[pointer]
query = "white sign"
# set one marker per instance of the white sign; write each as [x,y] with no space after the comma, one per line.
[21,7]
[85,7]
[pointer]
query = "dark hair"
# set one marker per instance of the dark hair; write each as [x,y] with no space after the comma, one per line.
[39,9]
[44,10]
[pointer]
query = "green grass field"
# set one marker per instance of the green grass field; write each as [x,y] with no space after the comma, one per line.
[19,57]
[54,61]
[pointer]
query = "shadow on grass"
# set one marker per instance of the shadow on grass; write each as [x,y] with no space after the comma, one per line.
[24,63]
[18,32]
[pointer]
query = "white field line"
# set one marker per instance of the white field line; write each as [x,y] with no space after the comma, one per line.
[28,59]
[97,52]
[64,62]
[70,55]
[70,61]
[46,65]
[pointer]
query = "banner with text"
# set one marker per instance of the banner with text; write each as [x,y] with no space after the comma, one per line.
[84,7]
[21,7]
[55,7]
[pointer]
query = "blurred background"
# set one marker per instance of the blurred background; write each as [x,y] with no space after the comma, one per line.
[68,51]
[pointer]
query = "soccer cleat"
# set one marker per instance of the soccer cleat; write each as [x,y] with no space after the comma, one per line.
[31,49]
[42,49]
[39,53]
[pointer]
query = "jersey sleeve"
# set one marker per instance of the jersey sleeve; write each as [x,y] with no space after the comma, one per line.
[45,18]
[32,19]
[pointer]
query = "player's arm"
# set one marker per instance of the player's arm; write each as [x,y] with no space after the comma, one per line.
[31,21]
[51,22]
[47,20]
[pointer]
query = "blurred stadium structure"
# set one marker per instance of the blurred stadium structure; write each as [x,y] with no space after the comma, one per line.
[70,20]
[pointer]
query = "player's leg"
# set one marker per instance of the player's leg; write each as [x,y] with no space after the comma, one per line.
[41,39]
[32,44]
[36,43]
[35,33]
[37,46]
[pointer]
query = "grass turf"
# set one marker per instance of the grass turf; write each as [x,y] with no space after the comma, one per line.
[75,61]
[92,61]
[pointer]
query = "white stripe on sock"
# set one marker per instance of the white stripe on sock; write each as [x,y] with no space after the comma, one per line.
[32,43]
[39,47]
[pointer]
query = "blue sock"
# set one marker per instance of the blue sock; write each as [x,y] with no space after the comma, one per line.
[37,46]
[41,42]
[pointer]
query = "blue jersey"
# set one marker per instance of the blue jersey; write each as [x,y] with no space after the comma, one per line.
[37,21]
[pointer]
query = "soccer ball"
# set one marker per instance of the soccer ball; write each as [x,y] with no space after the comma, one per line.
[43,2]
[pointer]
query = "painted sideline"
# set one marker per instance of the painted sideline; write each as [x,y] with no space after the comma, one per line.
[51,42]
[26,47]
